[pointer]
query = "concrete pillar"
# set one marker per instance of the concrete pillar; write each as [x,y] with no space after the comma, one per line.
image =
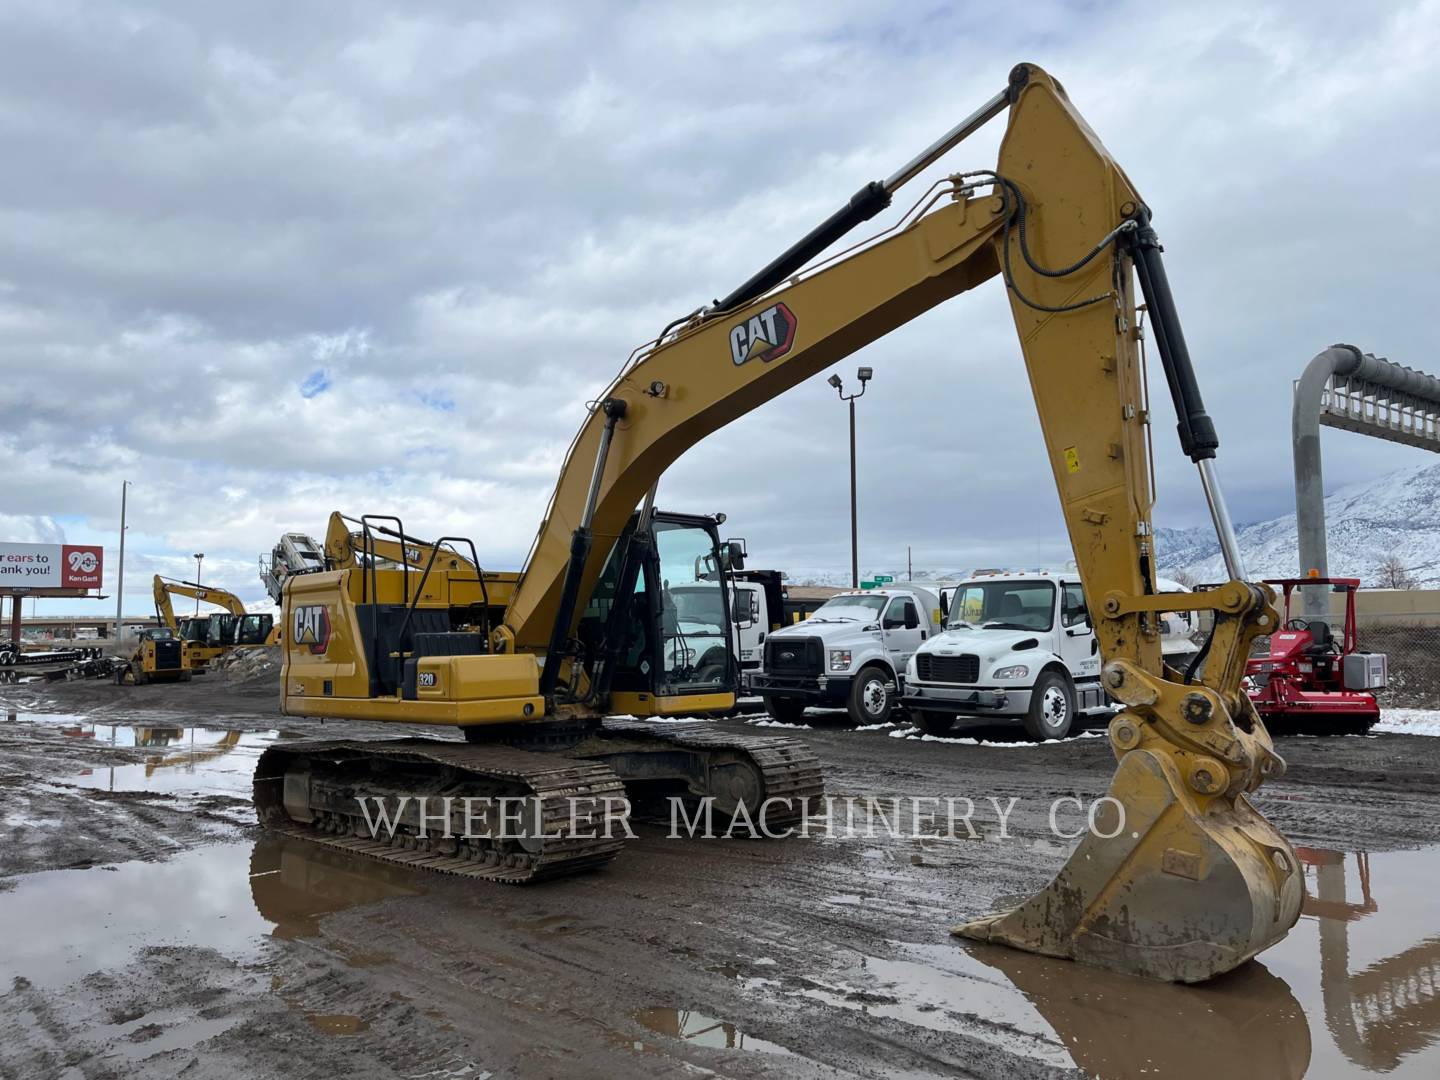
[17,603]
[1309,476]
[1305,432]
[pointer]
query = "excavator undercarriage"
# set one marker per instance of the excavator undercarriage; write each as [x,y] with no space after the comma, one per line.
[513,815]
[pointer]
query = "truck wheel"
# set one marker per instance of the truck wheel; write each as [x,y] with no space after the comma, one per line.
[933,723]
[1052,707]
[870,701]
[786,710]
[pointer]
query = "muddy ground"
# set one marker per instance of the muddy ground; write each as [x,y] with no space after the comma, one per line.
[151,929]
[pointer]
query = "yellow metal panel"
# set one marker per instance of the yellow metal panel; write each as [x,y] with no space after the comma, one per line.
[398,710]
[467,678]
[670,704]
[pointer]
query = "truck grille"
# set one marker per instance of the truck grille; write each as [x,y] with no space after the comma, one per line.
[956,669]
[794,656]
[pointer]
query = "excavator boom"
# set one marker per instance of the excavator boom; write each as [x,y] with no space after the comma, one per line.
[210,636]
[1180,878]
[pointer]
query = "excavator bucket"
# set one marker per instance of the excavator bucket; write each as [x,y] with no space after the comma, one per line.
[1170,882]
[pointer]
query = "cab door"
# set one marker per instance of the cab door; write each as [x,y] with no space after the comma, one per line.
[749,623]
[903,630]
[1075,636]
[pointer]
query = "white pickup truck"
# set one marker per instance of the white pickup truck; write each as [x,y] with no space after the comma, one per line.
[851,653]
[1017,646]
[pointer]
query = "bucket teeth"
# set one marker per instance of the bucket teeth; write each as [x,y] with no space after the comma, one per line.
[1172,890]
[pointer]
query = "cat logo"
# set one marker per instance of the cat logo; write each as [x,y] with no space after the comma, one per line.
[767,335]
[310,626]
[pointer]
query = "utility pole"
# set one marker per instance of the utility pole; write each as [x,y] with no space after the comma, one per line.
[909,563]
[864,374]
[199,556]
[120,571]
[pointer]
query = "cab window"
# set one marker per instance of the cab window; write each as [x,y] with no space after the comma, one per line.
[1074,610]
[901,614]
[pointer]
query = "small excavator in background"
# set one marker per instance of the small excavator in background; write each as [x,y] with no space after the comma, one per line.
[1180,877]
[212,635]
[1312,682]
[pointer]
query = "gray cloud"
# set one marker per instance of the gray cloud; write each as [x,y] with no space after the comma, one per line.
[466,216]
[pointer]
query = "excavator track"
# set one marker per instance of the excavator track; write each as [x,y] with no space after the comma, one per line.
[783,768]
[328,777]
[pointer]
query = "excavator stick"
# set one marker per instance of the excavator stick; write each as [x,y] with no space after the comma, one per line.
[1179,877]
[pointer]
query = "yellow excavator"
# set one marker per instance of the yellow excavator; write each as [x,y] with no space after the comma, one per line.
[213,635]
[1180,877]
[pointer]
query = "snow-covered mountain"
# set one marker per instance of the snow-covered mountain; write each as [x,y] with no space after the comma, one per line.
[1396,515]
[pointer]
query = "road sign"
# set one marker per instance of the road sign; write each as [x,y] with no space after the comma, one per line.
[883,579]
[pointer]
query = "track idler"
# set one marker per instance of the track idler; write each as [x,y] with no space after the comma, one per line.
[1181,878]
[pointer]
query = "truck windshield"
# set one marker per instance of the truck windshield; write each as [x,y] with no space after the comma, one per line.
[1004,605]
[857,608]
[702,604]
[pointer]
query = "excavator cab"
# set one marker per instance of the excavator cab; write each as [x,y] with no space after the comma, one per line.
[222,630]
[253,630]
[656,624]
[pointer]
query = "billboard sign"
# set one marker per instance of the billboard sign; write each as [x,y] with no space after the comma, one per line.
[50,566]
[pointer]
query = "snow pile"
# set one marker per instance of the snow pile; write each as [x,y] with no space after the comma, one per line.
[1408,722]
[916,735]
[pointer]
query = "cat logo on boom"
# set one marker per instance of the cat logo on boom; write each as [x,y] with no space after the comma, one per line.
[767,335]
[310,626]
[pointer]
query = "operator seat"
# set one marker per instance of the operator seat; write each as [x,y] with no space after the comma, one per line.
[1322,640]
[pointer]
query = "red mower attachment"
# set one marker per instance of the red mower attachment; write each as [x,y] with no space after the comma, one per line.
[1314,682]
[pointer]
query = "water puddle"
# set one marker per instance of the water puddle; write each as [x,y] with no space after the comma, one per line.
[200,760]
[697,1029]
[337,1023]
[1353,990]
[226,897]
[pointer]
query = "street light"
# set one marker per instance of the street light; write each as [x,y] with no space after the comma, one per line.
[199,555]
[865,374]
[120,571]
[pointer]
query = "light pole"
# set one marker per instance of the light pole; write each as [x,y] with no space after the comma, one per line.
[120,572]
[199,555]
[865,374]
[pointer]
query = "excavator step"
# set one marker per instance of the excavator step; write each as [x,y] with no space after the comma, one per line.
[574,824]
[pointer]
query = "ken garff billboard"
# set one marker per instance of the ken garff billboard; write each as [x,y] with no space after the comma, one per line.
[50,566]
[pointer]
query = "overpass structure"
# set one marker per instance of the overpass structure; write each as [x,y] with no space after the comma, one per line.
[67,626]
[1354,391]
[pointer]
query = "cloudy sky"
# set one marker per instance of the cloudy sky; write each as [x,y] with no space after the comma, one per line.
[272,259]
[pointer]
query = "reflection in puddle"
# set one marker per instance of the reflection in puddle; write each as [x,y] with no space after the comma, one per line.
[701,1030]
[1374,921]
[99,918]
[946,989]
[1354,988]
[185,759]
[226,897]
[294,884]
